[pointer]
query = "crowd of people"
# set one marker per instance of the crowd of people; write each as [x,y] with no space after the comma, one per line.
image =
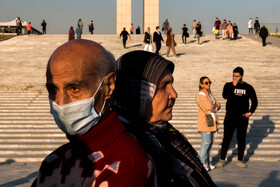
[226,29]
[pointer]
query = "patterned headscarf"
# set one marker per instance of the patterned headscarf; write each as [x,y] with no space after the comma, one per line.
[138,74]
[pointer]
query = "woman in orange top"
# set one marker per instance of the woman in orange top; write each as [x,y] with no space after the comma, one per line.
[28,28]
[207,105]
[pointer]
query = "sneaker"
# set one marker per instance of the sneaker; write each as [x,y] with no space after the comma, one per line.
[240,164]
[221,163]
[206,167]
[211,167]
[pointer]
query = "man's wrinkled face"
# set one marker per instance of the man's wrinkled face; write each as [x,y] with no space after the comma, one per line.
[69,82]
[160,109]
[70,71]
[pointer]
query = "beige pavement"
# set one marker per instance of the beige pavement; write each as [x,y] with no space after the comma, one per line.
[28,133]
[23,60]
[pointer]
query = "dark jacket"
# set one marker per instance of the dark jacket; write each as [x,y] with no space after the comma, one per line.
[185,31]
[263,32]
[198,30]
[238,98]
[257,24]
[157,37]
[147,38]
[124,34]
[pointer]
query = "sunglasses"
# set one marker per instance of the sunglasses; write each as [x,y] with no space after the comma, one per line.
[206,83]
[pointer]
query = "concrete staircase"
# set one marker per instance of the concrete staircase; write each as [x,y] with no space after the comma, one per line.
[28,132]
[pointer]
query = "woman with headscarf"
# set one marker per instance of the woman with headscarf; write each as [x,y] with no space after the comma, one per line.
[207,120]
[143,98]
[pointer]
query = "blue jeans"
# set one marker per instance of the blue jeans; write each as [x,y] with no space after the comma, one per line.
[206,145]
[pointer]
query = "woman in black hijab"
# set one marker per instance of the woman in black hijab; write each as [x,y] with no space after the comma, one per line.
[143,98]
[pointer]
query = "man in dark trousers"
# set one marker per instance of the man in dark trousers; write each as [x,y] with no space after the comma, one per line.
[257,26]
[124,35]
[157,39]
[263,34]
[44,27]
[238,93]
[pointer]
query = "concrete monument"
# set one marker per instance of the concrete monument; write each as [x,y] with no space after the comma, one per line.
[150,13]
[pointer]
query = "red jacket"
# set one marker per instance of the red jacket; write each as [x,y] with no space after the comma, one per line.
[106,156]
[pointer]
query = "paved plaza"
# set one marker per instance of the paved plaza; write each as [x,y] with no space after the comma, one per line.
[22,79]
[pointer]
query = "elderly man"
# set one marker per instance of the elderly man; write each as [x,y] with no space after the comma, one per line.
[80,80]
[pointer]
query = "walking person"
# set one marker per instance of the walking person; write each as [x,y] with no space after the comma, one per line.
[18,26]
[235,31]
[185,33]
[170,42]
[237,93]
[257,26]
[157,39]
[71,34]
[79,32]
[217,26]
[263,35]
[230,30]
[165,26]
[44,27]
[224,29]
[91,27]
[194,24]
[124,35]
[198,30]
[250,26]
[28,28]
[148,40]
[207,120]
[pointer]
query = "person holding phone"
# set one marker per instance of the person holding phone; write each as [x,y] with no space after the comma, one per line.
[238,93]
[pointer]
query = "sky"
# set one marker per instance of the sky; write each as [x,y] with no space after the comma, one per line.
[61,14]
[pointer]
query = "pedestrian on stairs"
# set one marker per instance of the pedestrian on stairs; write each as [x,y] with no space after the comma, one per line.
[101,152]
[238,93]
[207,120]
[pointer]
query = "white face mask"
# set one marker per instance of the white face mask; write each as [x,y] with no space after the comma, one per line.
[76,118]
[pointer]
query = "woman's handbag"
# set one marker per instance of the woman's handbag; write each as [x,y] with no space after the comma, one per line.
[209,120]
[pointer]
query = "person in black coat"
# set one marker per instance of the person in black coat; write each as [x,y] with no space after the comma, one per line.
[185,34]
[198,32]
[124,35]
[257,26]
[157,38]
[148,40]
[263,34]
[235,31]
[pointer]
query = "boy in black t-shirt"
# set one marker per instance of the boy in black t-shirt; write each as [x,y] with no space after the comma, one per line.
[238,93]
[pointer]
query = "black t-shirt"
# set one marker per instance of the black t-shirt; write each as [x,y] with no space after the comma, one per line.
[238,98]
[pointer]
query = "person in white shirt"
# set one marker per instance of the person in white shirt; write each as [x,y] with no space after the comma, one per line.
[250,26]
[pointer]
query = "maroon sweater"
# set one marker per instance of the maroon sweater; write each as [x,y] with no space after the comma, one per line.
[106,156]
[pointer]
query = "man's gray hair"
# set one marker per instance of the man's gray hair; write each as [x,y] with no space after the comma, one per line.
[105,64]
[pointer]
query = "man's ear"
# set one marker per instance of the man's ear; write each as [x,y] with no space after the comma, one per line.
[109,84]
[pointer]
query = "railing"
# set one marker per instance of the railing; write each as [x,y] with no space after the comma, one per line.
[273,28]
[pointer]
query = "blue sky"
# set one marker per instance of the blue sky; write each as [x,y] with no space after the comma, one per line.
[61,14]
